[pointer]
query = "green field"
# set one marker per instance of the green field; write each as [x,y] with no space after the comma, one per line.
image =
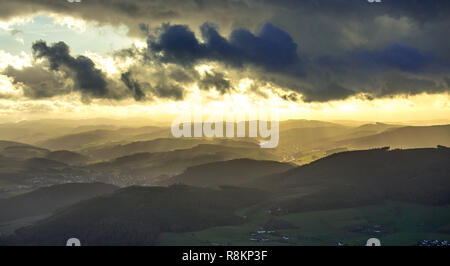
[393,223]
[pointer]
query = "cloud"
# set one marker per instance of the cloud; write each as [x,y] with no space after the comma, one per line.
[39,82]
[332,91]
[292,97]
[399,84]
[271,49]
[162,87]
[88,79]
[150,80]
[215,80]
[416,9]
[133,86]
[322,49]
[405,58]
[272,56]
[318,26]
[61,73]
[91,81]
[168,90]
[447,81]
[135,12]
[395,56]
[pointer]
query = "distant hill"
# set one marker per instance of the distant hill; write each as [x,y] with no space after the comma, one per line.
[88,128]
[150,165]
[140,130]
[157,134]
[365,177]
[307,138]
[403,137]
[6,162]
[137,215]
[32,131]
[80,140]
[19,175]
[376,127]
[5,144]
[48,199]
[233,172]
[85,139]
[36,164]
[152,146]
[302,123]
[36,131]
[366,130]
[20,150]
[108,152]
[328,136]
[68,157]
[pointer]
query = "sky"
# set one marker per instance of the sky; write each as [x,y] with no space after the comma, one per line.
[312,59]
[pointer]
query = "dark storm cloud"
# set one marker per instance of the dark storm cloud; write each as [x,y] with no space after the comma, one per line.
[318,26]
[270,56]
[273,52]
[162,87]
[447,80]
[133,86]
[236,11]
[292,97]
[183,76]
[60,73]
[417,9]
[150,80]
[331,91]
[272,48]
[168,90]
[88,79]
[136,12]
[422,11]
[400,57]
[399,84]
[215,80]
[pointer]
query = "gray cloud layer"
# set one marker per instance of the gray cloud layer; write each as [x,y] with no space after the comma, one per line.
[322,49]
[272,56]
[316,25]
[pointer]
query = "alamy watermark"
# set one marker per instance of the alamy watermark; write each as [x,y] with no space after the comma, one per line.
[262,125]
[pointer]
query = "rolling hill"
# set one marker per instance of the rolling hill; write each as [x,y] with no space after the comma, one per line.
[308,138]
[234,172]
[137,215]
[68,157]
[48,199]
[79,140]
[359,178]
[303,123]
[152,165]
[20,150]
[342,181]
[403,137]
[152,146]
[84,139]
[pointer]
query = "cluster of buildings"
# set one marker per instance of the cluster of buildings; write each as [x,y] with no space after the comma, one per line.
[434,243]
[260,236]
